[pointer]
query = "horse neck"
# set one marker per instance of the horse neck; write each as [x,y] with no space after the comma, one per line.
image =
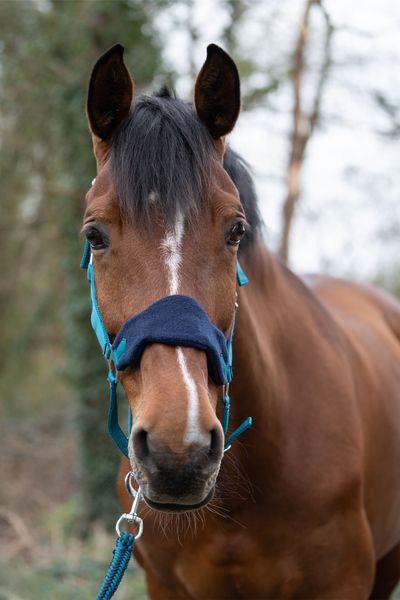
[282,329]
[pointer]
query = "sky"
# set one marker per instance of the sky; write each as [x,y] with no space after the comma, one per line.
[348,221]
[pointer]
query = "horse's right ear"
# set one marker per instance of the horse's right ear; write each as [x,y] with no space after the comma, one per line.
[110,93]
[217,93]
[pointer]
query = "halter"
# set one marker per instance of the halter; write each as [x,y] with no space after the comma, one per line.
[174,320]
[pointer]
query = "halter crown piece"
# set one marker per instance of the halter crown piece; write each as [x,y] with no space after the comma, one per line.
[175,320]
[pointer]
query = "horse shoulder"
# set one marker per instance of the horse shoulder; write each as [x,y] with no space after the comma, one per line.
[370,320]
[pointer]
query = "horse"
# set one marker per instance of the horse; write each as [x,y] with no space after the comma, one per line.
[306,504]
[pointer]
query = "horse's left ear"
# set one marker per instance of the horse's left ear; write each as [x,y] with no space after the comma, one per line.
[217,93]
[110,93]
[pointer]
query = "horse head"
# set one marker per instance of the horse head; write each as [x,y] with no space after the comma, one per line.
[164,222]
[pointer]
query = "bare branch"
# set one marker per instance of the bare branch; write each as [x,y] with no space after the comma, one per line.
[303,124]
[392,112]
[325,68]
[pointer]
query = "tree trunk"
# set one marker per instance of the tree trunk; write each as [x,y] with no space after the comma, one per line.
[303,124]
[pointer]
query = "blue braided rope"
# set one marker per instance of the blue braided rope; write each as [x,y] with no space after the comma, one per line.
[122,553]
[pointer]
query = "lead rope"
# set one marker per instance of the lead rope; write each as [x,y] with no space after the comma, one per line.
[124,544]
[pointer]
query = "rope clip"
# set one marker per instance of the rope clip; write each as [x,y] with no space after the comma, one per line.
[131,516]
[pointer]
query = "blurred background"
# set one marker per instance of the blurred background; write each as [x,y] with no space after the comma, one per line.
[320,127]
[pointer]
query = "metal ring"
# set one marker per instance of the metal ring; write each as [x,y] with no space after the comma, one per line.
[129,488]
[130,519]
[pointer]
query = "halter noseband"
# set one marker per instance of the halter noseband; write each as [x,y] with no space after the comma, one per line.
[174,320]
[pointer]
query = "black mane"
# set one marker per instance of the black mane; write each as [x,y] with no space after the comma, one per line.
[162,155]
[239,171]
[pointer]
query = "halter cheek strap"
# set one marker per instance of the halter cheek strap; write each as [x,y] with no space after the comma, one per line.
[174,320]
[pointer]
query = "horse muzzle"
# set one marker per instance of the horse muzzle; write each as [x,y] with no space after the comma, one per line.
[176,482]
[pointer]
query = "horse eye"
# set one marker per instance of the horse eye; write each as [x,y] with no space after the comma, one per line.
[236,234]
[96,238]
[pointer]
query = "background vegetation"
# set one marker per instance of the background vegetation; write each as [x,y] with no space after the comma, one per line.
[57,497]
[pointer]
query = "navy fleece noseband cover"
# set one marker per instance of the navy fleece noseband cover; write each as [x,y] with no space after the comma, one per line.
[177,321]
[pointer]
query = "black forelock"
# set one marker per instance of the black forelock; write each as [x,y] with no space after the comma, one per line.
[162,157]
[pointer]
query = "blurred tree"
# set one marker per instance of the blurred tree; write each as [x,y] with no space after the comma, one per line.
[268,76]
[47,50]
[304,123]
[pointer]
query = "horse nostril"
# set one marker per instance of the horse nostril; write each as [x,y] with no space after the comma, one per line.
[140,444]
[216,442]
[152,453]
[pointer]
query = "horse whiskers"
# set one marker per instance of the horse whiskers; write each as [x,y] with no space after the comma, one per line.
[178,524]
[238,480]
[213,511]
[227,492]
[158,521]
[187,523]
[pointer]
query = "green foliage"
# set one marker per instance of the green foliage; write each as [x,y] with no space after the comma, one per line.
[62,566]
[47,50]
[59,581]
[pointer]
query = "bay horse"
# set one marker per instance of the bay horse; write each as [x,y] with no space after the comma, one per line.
[306,504]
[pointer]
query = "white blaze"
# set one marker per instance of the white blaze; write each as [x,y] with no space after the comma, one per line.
[193,433]
[171,247]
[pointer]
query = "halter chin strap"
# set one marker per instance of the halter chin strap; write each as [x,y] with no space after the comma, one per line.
[174,320]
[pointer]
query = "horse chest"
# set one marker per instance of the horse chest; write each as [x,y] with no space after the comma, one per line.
[227,565]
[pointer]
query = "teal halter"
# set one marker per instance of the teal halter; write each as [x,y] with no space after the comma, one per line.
[155,324]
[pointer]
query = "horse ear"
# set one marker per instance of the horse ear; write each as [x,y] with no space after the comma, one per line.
[110,93]
[217,92]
